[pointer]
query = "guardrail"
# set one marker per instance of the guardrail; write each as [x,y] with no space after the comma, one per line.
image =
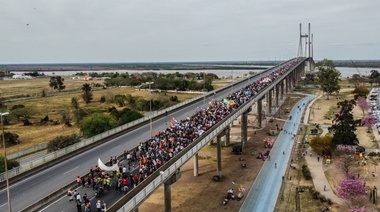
[26,151]
[59,153]
[138,194]
[55,195]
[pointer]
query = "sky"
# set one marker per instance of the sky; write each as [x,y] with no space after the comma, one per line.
[108,31]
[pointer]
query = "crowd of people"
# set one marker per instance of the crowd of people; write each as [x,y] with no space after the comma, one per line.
[178,135]
[152,154]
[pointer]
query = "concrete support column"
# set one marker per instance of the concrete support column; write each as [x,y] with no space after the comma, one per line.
[287,84]
[294,78]
[269,103]
[168,197]
[277,94]
[259,112]
[219,156]
[196,165]
[167,190]
[282,89]
[244,125]
[227,130]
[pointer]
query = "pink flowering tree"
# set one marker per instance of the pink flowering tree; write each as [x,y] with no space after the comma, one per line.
[351,188]
[369,121]
[345,149]
[363,104]
[358,209]
[347,164]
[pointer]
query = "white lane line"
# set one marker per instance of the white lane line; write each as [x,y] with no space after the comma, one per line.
[52,203]
[71,170]
[3,205]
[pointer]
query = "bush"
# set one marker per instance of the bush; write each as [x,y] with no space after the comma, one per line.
[10,164]
[306,172]
[11,139]
[44,92]
[61,142]
[174,98]
[102,99]
[14,107]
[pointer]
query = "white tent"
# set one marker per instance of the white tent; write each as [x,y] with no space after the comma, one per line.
[101,165]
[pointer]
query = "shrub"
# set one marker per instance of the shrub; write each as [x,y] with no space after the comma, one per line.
[14,107]
[44,92]
[11,139]
[174,98]
[61,142]
[10,164]
[102,99]
[306,172]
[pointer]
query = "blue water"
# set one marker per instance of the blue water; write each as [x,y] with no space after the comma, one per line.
[345,72]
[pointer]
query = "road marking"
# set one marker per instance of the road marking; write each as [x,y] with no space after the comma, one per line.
[71,170]
[52,203]
[3,205]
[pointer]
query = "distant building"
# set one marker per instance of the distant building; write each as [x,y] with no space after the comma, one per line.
[5,73]
[21,77]
[87,78]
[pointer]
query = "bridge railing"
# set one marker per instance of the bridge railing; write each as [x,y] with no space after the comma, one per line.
[64,151]
[61,152]
[137,195]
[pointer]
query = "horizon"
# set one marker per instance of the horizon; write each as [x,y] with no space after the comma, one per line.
[182,62]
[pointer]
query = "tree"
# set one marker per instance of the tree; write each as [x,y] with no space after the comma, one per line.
[61,142]
[325,62]
[328,79]
[97,123]
[374,74]
[10,164]
[80,114]
[75,102]
[369,121]
[363,104]
[10,139]
[56,82]
[346,164]
[321,144]
[351,188]
[66,118]
[120,99]
[360,91]
[129,115]
[23,112]
[87,93]
[344,125]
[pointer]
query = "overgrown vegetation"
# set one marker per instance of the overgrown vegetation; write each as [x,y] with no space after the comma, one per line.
[306,172]
[10,164]
[61,142]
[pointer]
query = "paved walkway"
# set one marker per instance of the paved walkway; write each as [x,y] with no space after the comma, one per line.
[316,167]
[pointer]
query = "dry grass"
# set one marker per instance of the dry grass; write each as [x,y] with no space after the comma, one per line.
[34,87]
[53,106]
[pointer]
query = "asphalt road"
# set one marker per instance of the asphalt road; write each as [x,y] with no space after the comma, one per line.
[32,189]
[264,192]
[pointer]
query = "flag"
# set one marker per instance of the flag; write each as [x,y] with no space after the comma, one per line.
[226,101]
